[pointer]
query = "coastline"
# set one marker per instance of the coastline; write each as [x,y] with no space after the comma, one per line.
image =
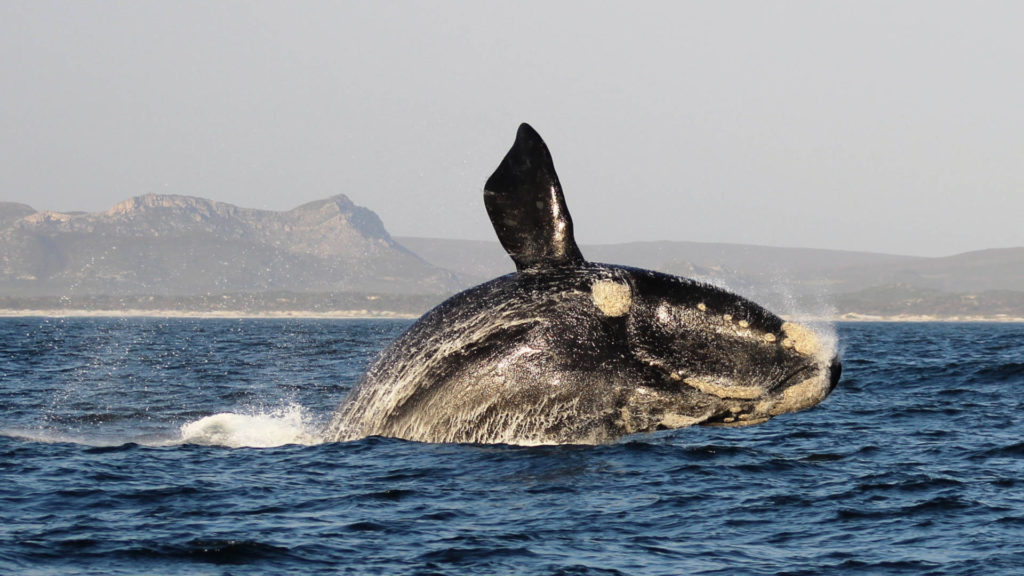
[853,318]
[386,315]
[997,318]
[211,314]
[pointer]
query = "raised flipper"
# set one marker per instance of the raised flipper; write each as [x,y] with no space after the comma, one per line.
[525,203]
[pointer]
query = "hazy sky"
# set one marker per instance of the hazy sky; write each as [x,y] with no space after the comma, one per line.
[881,126]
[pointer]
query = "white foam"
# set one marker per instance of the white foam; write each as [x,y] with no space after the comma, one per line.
[262,430]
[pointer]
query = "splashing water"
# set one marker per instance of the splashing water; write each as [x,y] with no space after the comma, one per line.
[289,425]
[264,429]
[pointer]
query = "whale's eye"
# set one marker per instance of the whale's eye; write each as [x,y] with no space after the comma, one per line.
[611,298]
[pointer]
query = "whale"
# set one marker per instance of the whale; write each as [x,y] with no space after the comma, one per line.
[566,351]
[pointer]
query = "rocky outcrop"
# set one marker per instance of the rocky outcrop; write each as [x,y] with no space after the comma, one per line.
[11,212]
[181,245]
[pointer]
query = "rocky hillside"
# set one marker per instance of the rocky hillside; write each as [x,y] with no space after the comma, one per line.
[179,245]
[184,253]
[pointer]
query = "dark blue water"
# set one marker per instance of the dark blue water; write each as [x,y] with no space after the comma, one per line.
[115,458]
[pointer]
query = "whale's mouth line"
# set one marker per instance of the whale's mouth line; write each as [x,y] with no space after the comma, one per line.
[730,420]
[787,381]
[741,393]
[746,413]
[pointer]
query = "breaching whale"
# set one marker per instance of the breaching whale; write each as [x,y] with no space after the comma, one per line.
[569,351]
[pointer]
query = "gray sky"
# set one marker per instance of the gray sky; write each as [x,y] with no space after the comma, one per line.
[881,126]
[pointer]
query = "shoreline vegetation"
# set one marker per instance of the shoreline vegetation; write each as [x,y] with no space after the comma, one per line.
[399,315]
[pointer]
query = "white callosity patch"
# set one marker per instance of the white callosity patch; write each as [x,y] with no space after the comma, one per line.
[725,324]
[611,298]
[817,344]
[801,338]
[767,393]
[799,396]
[671,420]
[821,346]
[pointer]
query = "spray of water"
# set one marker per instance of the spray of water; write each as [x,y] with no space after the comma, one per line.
[290,425]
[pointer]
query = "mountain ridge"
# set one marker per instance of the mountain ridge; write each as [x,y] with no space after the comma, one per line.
[183,251]
[174,244]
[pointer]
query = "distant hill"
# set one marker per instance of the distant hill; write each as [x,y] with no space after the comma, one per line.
[179,245]
[165,252]
[11,212]
[823,282]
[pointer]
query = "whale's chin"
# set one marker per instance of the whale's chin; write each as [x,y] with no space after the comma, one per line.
[805,391]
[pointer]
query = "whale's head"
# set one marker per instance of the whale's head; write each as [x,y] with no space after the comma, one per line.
[704,355]
[714,357]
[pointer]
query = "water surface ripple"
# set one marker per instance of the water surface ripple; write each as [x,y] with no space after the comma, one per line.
[115,459]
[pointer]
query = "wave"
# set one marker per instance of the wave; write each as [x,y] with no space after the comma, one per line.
[998,373]
[291,424]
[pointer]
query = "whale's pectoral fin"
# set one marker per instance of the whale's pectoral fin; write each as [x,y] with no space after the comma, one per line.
[525,203]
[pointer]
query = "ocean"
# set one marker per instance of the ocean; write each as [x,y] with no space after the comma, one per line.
[191,446]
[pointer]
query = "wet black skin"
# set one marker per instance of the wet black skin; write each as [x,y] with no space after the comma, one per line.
[580,385]
[539,356]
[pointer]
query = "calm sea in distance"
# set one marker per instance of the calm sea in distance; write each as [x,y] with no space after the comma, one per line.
[188,446]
